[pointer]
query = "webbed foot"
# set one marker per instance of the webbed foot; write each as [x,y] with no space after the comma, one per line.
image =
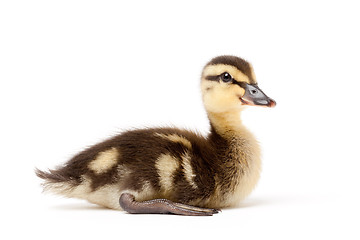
[129,204]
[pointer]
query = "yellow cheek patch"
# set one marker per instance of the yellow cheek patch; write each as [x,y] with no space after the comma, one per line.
[236,90]
[214,70]
[222,97]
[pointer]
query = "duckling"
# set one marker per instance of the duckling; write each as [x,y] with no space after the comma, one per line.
[170,170]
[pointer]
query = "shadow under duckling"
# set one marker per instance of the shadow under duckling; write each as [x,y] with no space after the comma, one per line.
[170,170]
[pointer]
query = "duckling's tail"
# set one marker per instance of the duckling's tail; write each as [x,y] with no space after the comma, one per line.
[57,181]
[67,182]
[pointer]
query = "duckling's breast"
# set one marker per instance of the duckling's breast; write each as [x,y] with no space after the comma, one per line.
[239,172]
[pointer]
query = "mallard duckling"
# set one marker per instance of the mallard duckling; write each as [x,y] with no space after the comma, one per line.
[169,170]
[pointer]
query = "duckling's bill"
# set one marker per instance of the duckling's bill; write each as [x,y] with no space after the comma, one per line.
[255,96]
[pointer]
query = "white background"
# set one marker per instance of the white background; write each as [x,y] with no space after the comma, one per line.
[76,72]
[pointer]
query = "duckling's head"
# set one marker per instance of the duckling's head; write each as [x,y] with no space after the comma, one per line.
[228,83]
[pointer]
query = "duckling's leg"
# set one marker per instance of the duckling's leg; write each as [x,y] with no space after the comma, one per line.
[128,203]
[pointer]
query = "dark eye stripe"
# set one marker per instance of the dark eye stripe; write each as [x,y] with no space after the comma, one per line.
[217,79]
[225,77]
[241,84]
[213,78]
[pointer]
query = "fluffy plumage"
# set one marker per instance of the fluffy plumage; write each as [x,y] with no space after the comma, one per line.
[213,171]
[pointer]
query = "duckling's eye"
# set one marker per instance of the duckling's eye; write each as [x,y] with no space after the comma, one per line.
[226,77]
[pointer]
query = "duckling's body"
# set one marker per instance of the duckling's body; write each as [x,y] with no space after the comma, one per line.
[159,170]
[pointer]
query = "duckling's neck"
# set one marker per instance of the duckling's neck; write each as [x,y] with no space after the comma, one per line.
[228,134]
[227,124]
